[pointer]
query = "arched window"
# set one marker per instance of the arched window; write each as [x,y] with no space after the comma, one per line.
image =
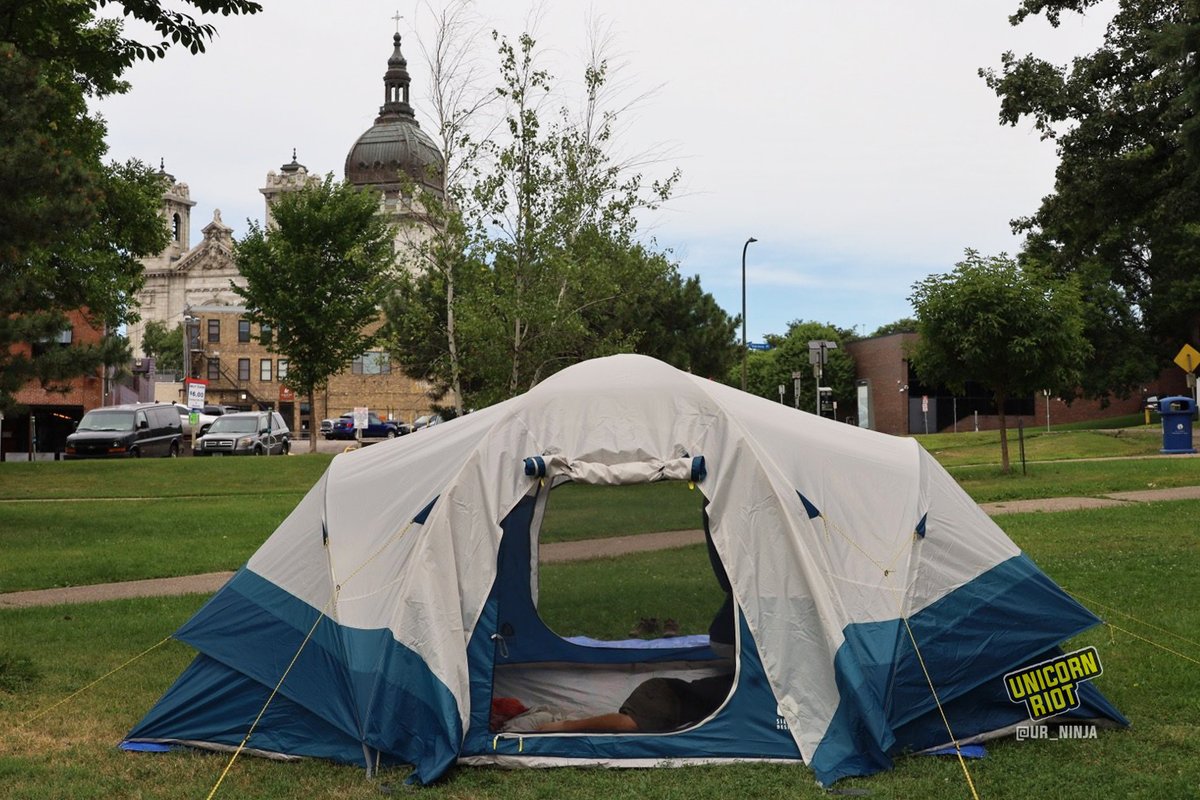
[175,227]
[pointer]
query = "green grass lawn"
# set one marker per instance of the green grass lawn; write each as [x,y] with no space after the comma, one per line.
[1077,478]
[160,477]
[1142,560]
[589,512]
[139,519]
[959,449]
[76,543]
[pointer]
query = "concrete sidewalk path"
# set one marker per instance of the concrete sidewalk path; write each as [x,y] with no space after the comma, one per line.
[554,552]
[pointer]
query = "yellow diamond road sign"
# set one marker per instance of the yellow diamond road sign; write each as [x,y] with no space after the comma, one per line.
[1188,358]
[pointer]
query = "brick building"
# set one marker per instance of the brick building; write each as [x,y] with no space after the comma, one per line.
[50,416]
[243,372]
[892,399]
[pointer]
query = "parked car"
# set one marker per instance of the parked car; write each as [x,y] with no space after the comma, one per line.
[217,411]
[343,428]
[205,420]
[131,431]
[245,433]
[426,421]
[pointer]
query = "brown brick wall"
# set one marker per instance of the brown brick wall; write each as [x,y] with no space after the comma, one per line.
[391,395]
[882,361]
[86,391]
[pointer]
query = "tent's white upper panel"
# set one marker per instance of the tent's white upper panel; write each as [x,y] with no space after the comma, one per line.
[799,578]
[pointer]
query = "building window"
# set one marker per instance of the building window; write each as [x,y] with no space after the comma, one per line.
[214,369]
[372,363]
[243,369]
[264,369]
[281,369]
[175,227]
[243,330]
[214,330]
[265,334]
[61,339]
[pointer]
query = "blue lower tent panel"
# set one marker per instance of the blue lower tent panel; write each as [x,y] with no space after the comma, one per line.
[212,703]
[349,687]
[968,639]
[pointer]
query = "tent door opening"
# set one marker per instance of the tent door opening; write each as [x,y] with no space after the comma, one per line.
[576,677]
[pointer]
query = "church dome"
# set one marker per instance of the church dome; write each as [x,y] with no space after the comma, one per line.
[395,144]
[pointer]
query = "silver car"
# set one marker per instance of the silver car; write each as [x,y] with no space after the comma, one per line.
[246,433]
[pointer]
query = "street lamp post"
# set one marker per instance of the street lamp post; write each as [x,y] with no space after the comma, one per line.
[747,244]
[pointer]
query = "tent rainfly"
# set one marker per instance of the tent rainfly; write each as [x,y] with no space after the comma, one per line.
[876,608]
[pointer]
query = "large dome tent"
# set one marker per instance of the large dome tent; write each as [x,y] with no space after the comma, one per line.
[877,608]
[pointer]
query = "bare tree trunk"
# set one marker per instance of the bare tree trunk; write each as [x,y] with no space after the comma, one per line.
[314,424]
[458,96]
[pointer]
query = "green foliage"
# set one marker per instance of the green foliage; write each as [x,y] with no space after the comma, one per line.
[904,325]
[767,369]
[317,277]
[1124,215]
[72,229]
[91,265]
[1010,329]
[163,345]
[535,262]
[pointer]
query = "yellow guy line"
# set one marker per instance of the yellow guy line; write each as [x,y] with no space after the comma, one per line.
[1153,644]
[323,613]
[957,748]
[274,692]
[78,692]
[887,572]
[1115,610]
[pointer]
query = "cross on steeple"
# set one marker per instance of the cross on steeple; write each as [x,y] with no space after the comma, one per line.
[397,18]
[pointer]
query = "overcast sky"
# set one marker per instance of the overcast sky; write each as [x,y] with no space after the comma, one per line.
[853,138]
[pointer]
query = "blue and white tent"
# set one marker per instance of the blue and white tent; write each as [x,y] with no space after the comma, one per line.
[400,596]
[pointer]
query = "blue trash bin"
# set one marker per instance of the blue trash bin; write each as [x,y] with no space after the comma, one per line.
[1177,413]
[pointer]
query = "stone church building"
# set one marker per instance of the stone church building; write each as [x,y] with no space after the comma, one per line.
[234,355]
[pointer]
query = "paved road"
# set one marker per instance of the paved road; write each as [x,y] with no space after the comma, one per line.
[550,553]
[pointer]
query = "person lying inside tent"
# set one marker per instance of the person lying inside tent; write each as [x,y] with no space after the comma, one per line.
[655,706]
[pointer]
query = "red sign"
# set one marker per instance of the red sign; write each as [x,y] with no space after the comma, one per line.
[286,394]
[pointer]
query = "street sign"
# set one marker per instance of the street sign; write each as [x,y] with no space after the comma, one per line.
[360,417]
[924,403]
[1188,358]
[758,346]
[195,394]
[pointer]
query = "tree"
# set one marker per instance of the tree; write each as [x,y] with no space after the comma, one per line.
[317,278]
[72,229]
[903,325]
[1013,329]
[545,269]
[164,345]
[1124,215]
[768,370]
[424,315]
